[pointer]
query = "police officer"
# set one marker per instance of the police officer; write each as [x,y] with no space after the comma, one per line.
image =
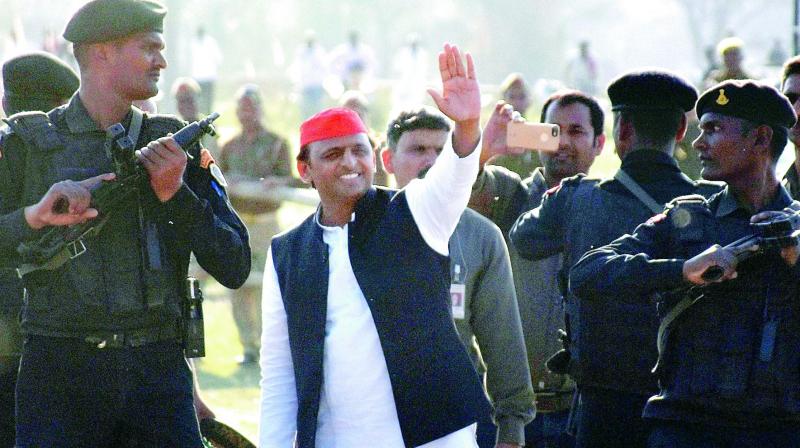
[728,370]
[612,340]
[31,82]
[102,351]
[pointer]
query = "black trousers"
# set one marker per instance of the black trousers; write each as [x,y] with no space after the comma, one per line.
[609,419]
[73,394]
[8,382]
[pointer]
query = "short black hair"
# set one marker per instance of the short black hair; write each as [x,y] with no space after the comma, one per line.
[302,156]
[655,127]
[411,120]
[790,67]
[567,97]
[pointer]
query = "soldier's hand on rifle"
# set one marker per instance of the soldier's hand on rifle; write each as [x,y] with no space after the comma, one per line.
[714,256]
[165,163]
[791,253]
[66,203]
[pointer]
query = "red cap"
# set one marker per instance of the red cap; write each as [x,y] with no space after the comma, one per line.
[331,123]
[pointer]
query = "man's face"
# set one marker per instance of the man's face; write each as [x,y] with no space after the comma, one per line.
[135,64]
[416,151]
[517,96]
[186,101]
[732,59]
[578,146]
[791,88]
[340,168]
[248,111]
[725,152]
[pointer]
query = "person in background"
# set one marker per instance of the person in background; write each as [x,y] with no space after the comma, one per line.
[102,350]
[727,366]
[539,284]
[257,155]
[31,82]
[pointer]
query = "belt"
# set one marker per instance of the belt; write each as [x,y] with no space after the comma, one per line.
[548,401]
[132,338]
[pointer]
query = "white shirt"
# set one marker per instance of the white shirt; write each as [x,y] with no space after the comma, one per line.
[357,406]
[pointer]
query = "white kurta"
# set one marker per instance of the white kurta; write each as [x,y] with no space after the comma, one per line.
[357,406]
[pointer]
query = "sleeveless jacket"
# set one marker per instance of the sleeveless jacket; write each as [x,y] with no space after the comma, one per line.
[405,282]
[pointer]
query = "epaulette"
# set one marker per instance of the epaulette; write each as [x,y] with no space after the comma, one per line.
[572,182]
[687,200]
[682,208]
[35,129]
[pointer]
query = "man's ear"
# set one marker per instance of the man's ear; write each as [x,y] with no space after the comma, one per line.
[682,127]
[763,138]
[600,143]
[302,170]
[386,158]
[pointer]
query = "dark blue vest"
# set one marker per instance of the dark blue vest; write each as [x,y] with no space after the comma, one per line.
[613,341]
[405,282]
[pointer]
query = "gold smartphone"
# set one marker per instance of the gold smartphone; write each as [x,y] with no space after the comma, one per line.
[538,136]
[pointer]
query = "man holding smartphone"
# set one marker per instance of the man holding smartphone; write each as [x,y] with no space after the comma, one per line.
[540,299]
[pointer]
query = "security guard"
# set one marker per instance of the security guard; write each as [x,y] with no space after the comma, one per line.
[729,367]
[31,82]
[102,352]
[612,341]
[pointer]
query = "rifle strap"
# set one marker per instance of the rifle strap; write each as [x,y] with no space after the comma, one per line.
[136,124]
[628,182]
[663,327]
[72,249]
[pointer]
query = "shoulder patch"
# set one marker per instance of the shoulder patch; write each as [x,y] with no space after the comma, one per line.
[552,190]
[206,158]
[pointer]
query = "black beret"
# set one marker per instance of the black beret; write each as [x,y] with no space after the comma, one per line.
[37,81]
[105,20]
[651,90]
[749,100]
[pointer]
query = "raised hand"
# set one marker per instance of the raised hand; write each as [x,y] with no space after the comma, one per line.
[460,99]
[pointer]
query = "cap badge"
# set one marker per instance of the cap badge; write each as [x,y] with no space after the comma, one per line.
[722,99]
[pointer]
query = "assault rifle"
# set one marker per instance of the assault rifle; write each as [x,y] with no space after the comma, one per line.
[62,243]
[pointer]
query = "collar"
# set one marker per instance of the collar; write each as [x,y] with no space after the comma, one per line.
[537,178]
[318,222]
[363,205]
[78,119]
[648,157]
[728,204]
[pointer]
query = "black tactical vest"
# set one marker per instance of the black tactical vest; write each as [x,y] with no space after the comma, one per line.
[126,279]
